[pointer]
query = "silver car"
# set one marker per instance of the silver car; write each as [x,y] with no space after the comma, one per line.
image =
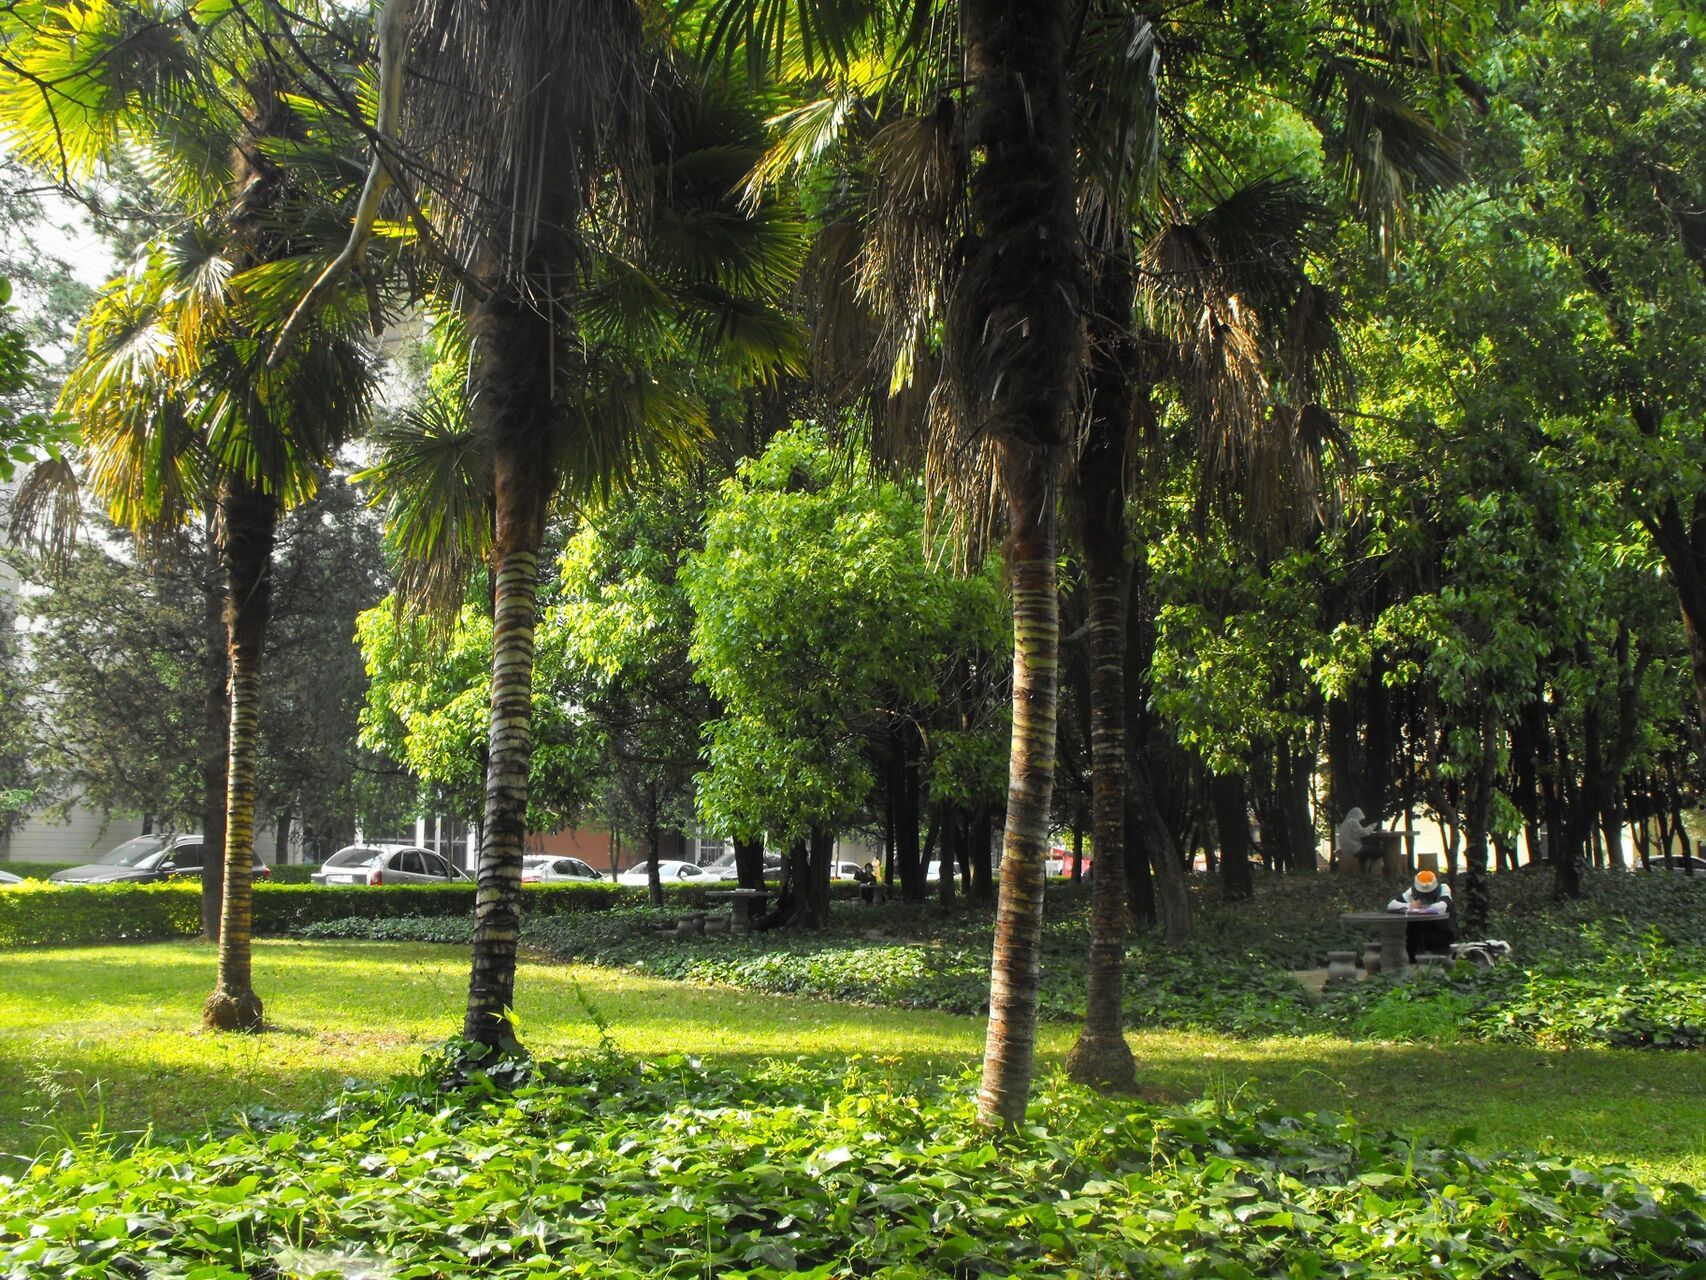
[537,868]
[381,864]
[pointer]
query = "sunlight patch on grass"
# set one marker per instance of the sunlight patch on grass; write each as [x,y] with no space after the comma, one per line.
[112,1036]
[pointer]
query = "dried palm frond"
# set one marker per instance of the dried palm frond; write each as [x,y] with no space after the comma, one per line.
[516,116]
[47,510]
[1253,347]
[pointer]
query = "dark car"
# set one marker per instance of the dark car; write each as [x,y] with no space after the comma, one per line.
[147,860]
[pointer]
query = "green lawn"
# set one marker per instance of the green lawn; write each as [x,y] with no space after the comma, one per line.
[111,1033]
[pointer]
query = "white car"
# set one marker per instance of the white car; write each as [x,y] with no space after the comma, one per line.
[670,872]
[545,868]
[381,864]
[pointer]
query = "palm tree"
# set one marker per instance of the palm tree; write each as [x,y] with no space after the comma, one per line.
[177,410]
[576,350]
[1012,342]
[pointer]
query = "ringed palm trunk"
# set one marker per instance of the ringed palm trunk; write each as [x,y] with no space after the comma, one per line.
[1101,1057]
[250,523]
[1014,340]
[215,740]
[1010,1040]
[512,392]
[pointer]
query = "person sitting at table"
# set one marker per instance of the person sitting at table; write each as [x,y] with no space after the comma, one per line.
[1349,840]
[1433,926]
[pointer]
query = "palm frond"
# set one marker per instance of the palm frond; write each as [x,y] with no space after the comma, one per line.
[800,137]
[774,36]
[624,424]
[1117,67]
[1390,151]
[433,478]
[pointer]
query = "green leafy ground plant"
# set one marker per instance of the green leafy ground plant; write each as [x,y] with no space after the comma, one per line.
[604,1165]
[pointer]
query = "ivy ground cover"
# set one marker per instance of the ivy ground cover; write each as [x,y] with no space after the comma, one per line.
[607,1166]
[1625,966]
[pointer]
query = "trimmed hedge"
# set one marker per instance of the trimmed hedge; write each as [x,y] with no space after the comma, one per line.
[37,914]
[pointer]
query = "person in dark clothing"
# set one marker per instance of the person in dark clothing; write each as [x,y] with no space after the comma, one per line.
[1433,917]
[866,878]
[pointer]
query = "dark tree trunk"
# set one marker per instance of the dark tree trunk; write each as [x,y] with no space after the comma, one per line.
[946,822]
[1139,878]
[816,912]
[1295,765]
[1172,891]
[249,525]
[1681,540]
[982,842]
[908,815]
[282,821]
[654,838]
[1477,904]
[1232,820]
[749,863]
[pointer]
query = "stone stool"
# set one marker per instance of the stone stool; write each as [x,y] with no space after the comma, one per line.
[1341,966]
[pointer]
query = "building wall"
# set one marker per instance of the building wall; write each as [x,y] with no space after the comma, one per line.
[84,835]
[590,846]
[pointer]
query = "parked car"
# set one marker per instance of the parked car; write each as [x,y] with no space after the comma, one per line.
[670,872]
[844,870]
[6,877]
[1685,864]
[724,867]
[542,868]
[381,864]
[147,860]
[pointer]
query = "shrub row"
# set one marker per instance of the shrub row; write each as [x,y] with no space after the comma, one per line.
[608,1167]
[39,914]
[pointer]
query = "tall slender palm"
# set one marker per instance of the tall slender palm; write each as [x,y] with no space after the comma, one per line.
[177,410]
[532,143]
[1012,339]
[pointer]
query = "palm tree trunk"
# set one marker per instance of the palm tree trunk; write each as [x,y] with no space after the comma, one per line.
[250,524]
[509,744]
[215,741]
[1010,1040]
[1101,1057]
[1014,341]
[512,393]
